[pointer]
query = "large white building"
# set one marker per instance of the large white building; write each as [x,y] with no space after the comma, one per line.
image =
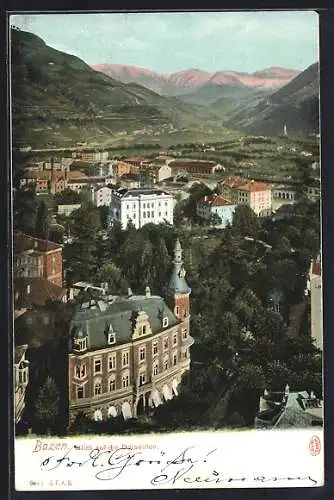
[141,206]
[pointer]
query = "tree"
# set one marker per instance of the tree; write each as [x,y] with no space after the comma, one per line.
[215,220]
[86,223]
[42,221]
[25,210]
[47,404]
[111,274]
[245,222]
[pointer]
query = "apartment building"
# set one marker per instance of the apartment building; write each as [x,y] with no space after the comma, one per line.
[141,206]
[127,354]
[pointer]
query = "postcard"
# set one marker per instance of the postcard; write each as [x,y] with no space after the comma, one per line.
[167,266]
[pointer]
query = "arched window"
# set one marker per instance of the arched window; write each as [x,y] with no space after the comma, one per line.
[112,412]
[112,383]
[156,368]
[97,388]
[125,380]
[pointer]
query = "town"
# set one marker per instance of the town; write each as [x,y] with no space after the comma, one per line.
[168,288]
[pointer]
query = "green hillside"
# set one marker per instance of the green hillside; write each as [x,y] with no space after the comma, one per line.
[295,105]
[56,97]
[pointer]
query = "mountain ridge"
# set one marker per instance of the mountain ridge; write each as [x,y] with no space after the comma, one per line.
[183,81]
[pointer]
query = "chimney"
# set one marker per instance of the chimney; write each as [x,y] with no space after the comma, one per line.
[28,289]
[129,292]
[147,292]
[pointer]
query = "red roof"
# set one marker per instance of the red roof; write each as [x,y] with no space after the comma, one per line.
[43,175]
[215,200]
[76,174]
[23,242]
[316,268]
[233,181]
[254,186]
[36,291]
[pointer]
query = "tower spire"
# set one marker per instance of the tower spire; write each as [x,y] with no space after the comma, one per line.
[177,283]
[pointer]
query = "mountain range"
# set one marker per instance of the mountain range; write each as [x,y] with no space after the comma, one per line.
[295,105]
[57,97]
[190,80]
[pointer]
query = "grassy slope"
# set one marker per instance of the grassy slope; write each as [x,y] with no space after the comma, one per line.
[64,100]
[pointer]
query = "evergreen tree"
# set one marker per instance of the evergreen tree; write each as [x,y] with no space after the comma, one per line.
[42,221]
[47,404]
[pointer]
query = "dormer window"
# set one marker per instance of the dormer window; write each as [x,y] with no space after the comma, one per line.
[111,338]
[165,322]
[80,344]
[111,335]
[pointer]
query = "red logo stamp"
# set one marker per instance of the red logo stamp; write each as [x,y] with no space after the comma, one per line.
[314,445]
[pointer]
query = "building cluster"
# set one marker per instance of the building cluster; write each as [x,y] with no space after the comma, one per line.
[125,355]
[257,195]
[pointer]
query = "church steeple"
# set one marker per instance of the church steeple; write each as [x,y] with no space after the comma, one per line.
[178,290]
[177,283]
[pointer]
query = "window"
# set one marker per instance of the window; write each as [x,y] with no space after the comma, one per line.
[166,343]
[112,384]
[159,214]
[175,339]
[112,362]
[155,348]
[80,392]
[156,368]
[97,366]
[166,213]
[144,215]
[125,380]
[125,358]
[142,378]
[165,364]
[184,333]
[165,322]
[142,352]
[152,215]
[177,310]
[80,371]
[174,359]
[111,338]
[80,344]
[97,388]
[144,330]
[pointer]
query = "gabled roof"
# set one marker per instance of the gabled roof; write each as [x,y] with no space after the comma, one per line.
[40,291]
[215,200]
[119,313]
[233,181]
[20,350]
[254,186]
[22,242]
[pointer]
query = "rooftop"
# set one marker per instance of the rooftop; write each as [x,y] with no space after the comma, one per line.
[36,291]
[93,312]
[215,200]
[127,193]
[23,242]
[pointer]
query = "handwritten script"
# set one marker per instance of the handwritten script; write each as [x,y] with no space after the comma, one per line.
[189,466]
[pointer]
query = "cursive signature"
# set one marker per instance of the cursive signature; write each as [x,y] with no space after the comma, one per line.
[186,467]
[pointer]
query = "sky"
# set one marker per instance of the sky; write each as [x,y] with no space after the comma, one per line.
[171,42]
